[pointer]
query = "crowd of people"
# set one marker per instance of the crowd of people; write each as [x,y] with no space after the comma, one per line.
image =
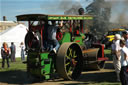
[120,57]
[10,52]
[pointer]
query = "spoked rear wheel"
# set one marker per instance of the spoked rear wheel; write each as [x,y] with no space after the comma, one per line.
[69,61]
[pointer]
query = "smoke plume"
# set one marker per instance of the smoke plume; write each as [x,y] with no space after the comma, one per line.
[63,6]
[73,10]
[70,7]
[101,10]
[119,11]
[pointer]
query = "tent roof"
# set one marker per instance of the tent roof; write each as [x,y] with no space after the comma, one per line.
[15,34]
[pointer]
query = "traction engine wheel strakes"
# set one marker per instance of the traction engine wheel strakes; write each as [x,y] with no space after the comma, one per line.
[69,61]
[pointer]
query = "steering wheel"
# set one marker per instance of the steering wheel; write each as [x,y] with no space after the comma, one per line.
[59,35]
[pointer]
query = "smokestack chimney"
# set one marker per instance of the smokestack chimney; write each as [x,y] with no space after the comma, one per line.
[81,11]
[4,18]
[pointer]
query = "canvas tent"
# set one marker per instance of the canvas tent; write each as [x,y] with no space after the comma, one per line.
[15,34]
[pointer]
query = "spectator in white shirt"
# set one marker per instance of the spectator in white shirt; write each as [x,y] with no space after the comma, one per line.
[116,55]
[124,63]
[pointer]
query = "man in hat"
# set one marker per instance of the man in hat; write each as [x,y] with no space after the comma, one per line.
[116,55]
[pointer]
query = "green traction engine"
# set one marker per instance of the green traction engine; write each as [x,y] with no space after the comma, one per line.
[72,56]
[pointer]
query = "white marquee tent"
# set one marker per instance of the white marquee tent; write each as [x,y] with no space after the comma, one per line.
[16,35]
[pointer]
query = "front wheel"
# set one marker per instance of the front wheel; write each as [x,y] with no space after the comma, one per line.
[69,61]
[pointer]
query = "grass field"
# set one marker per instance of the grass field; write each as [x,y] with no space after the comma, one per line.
[18,65]
[16,74]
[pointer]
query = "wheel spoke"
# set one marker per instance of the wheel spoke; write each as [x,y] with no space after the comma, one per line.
[74,54]
[70,52]
[68,57]
[69,71]
[71,55]
[67,63]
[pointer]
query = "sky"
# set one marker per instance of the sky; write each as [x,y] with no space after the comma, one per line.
[12,8]
[119,11]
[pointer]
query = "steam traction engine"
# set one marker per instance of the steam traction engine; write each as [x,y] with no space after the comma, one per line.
[72,56]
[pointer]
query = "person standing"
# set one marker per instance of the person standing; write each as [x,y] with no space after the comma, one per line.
[22,51]
[116,55]
[124,63]
[13,52]
[125,36]
[5,54]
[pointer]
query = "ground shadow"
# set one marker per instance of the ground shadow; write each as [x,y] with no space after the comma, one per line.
[76,84]
[98,77]
[93,78]
[14,77]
